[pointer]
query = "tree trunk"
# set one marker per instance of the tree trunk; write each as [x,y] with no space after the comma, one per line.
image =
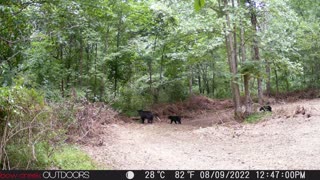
[235,38]
[268,83]
[62,79]
[153,91]
[95,72]
[104,69]
[160,87]
[277,81]
[246,77]
[80,64]
[117,57]
[256,48]
[161,62]
[213,86]
[205,81]
[190,82]
[233,66]
[287,81]
[68,64]
[200,83]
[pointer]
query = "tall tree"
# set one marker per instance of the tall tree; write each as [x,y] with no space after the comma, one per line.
[232,63]
[256,54]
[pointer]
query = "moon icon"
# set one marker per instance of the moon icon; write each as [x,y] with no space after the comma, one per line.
[130,175]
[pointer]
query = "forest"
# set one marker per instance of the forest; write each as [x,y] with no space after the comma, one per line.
[58,57]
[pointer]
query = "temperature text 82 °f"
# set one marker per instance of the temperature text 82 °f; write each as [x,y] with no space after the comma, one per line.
[184,174]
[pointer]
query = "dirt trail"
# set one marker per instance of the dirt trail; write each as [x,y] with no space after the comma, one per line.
[286,140]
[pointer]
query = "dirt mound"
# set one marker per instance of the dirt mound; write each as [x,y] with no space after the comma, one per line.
[298,95]
[194,105]
[303,109]
[90,121]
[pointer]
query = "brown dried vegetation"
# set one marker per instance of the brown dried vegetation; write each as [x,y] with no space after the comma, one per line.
[90,121]
[192,107]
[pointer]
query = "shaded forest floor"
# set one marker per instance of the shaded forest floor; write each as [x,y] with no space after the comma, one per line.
[286,139]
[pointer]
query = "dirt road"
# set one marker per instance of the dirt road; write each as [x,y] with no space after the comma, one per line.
[285,140]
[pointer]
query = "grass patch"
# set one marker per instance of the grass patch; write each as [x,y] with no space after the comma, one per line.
[255,117]
[23,157]
[72,158]
[65,157]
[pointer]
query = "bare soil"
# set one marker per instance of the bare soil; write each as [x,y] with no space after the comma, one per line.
[289,138]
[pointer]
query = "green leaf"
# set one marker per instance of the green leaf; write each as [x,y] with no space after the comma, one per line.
[198,4]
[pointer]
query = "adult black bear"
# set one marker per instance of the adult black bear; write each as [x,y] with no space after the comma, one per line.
[175,119]
[146,115]
[266,108]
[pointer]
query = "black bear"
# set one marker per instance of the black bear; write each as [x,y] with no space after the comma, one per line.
[266,108]
[175,119]
[146,115]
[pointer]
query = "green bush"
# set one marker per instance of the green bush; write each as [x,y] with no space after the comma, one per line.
[32,132]
[130,100]
[26,124]
[255,117]
[175,91]
[21,156]
[72,158]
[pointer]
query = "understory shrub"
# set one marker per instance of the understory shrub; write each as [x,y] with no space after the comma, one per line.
[27,128]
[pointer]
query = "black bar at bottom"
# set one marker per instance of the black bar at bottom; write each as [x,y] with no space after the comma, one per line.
[162,174]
